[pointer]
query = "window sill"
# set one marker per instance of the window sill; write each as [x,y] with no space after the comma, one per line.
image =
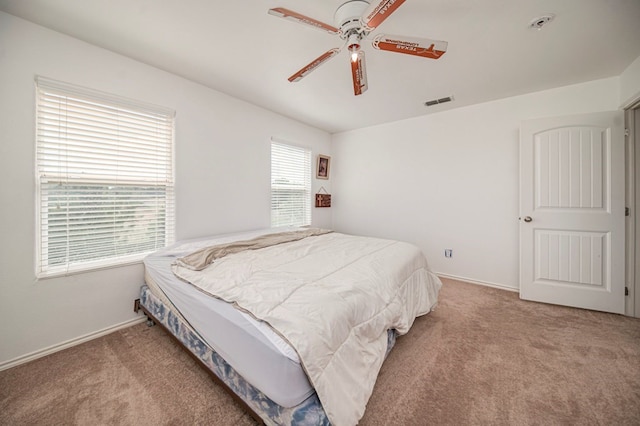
[87,268]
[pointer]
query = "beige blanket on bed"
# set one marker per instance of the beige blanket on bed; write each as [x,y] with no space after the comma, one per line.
[198,260]
[332,297]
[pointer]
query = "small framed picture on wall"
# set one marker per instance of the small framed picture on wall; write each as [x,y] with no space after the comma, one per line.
[322,170]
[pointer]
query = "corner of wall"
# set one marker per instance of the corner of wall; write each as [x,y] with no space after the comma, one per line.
[630,85]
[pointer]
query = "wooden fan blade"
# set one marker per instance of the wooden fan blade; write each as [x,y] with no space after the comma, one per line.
[281,12]
[379,11]
[422,47]
[314,64]
[359,74]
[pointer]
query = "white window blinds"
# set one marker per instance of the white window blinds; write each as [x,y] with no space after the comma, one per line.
[104,170]
[290,185]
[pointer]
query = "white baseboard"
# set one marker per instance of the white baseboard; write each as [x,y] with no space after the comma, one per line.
[69,343]
[484,283]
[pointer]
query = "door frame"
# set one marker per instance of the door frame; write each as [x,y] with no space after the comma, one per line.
[632,201]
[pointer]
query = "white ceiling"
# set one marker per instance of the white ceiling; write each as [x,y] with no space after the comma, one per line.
[235,47]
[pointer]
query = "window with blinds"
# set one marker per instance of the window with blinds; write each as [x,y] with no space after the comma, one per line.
[290,185]
[104,173]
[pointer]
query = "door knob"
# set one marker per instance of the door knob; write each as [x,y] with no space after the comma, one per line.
[527,219]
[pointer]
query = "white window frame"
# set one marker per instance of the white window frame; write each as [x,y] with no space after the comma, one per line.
[290,175]
[108,164]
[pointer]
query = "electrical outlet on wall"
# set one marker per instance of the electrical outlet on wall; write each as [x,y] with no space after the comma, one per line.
[448,253]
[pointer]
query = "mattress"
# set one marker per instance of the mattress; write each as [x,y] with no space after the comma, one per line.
[245,343]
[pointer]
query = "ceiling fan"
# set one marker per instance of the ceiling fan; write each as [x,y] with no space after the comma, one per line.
[354,20]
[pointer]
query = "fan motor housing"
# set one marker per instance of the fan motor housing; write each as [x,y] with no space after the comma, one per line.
[347,16]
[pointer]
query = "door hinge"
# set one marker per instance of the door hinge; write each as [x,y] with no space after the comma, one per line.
[626,291]
[626,211]
[626,132]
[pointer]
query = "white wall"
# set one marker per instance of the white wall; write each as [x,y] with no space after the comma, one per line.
[450,179]
[630,84]
[222,178]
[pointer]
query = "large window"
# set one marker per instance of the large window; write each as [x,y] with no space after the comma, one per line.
[290,185]
[104,175]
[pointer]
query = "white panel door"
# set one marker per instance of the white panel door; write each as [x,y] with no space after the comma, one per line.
[572,211]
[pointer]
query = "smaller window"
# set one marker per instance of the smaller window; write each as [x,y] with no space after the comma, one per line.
[290,185]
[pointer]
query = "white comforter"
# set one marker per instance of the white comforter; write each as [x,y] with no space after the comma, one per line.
[332,297]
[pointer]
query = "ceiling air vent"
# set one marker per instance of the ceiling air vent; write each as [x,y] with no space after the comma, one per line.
[438,101]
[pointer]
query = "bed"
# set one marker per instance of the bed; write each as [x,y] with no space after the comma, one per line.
[248,307]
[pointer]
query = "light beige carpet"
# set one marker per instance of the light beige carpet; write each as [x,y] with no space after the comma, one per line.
[482,358]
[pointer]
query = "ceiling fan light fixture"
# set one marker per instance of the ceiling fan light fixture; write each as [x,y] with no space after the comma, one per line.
[354,55]
[354,46]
